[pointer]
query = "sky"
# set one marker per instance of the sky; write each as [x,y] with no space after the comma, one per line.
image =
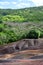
[17,4]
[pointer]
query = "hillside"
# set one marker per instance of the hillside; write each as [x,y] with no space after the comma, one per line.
[21,36]
[22,15]
[12,30]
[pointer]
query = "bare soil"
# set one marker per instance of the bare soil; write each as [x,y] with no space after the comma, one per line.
[22,56]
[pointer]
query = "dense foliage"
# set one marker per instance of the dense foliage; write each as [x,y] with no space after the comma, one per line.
[22,15]
[33,34]
[18,24]
[11,32]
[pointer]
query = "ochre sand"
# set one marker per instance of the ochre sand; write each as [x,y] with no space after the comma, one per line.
[22,61]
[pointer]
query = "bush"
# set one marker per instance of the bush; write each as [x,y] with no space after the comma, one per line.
[41,35]
[11,35]
[34,34]
[1,21]
[1,27]
[3,38]
[7,37]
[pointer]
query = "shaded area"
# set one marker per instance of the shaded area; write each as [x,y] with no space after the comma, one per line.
[37,57]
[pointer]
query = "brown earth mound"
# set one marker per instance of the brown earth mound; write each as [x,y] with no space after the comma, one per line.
[27,49]
[25,44]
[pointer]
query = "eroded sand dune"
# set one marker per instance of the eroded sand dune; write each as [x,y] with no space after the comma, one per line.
[23,52]
[25,44]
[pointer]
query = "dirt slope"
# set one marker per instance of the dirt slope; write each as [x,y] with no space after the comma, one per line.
[23,52]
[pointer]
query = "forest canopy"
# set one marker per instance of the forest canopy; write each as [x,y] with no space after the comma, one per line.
[20,24]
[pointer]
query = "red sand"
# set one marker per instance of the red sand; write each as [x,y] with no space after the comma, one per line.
[24,62]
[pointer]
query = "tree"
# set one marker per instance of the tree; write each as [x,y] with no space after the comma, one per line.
[34,34]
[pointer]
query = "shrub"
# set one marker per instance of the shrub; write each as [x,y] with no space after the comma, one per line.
[1,21]
[34,34]
[10,35]
[41,35]
[1,27]
[3,38]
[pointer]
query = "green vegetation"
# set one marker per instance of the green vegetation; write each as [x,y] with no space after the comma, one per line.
[11,32]
[33,34]
[13,18]
[21,24]
[22,15]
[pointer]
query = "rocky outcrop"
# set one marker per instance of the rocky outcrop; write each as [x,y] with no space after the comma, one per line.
[24,44]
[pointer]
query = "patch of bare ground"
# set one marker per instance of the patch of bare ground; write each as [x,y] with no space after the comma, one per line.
[28,49]
[24,54]
[23,62]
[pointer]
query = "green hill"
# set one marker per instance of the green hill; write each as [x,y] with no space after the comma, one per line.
[22,15]
[12,30]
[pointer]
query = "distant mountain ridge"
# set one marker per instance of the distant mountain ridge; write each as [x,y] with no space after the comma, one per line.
[26,14]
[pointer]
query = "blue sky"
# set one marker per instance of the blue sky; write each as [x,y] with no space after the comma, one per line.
[16,4]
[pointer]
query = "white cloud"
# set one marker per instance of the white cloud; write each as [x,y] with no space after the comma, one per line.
[14,2]
[4,3]
[7,3]
[22,5]
[20,0]
[1,7]
[38,2]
